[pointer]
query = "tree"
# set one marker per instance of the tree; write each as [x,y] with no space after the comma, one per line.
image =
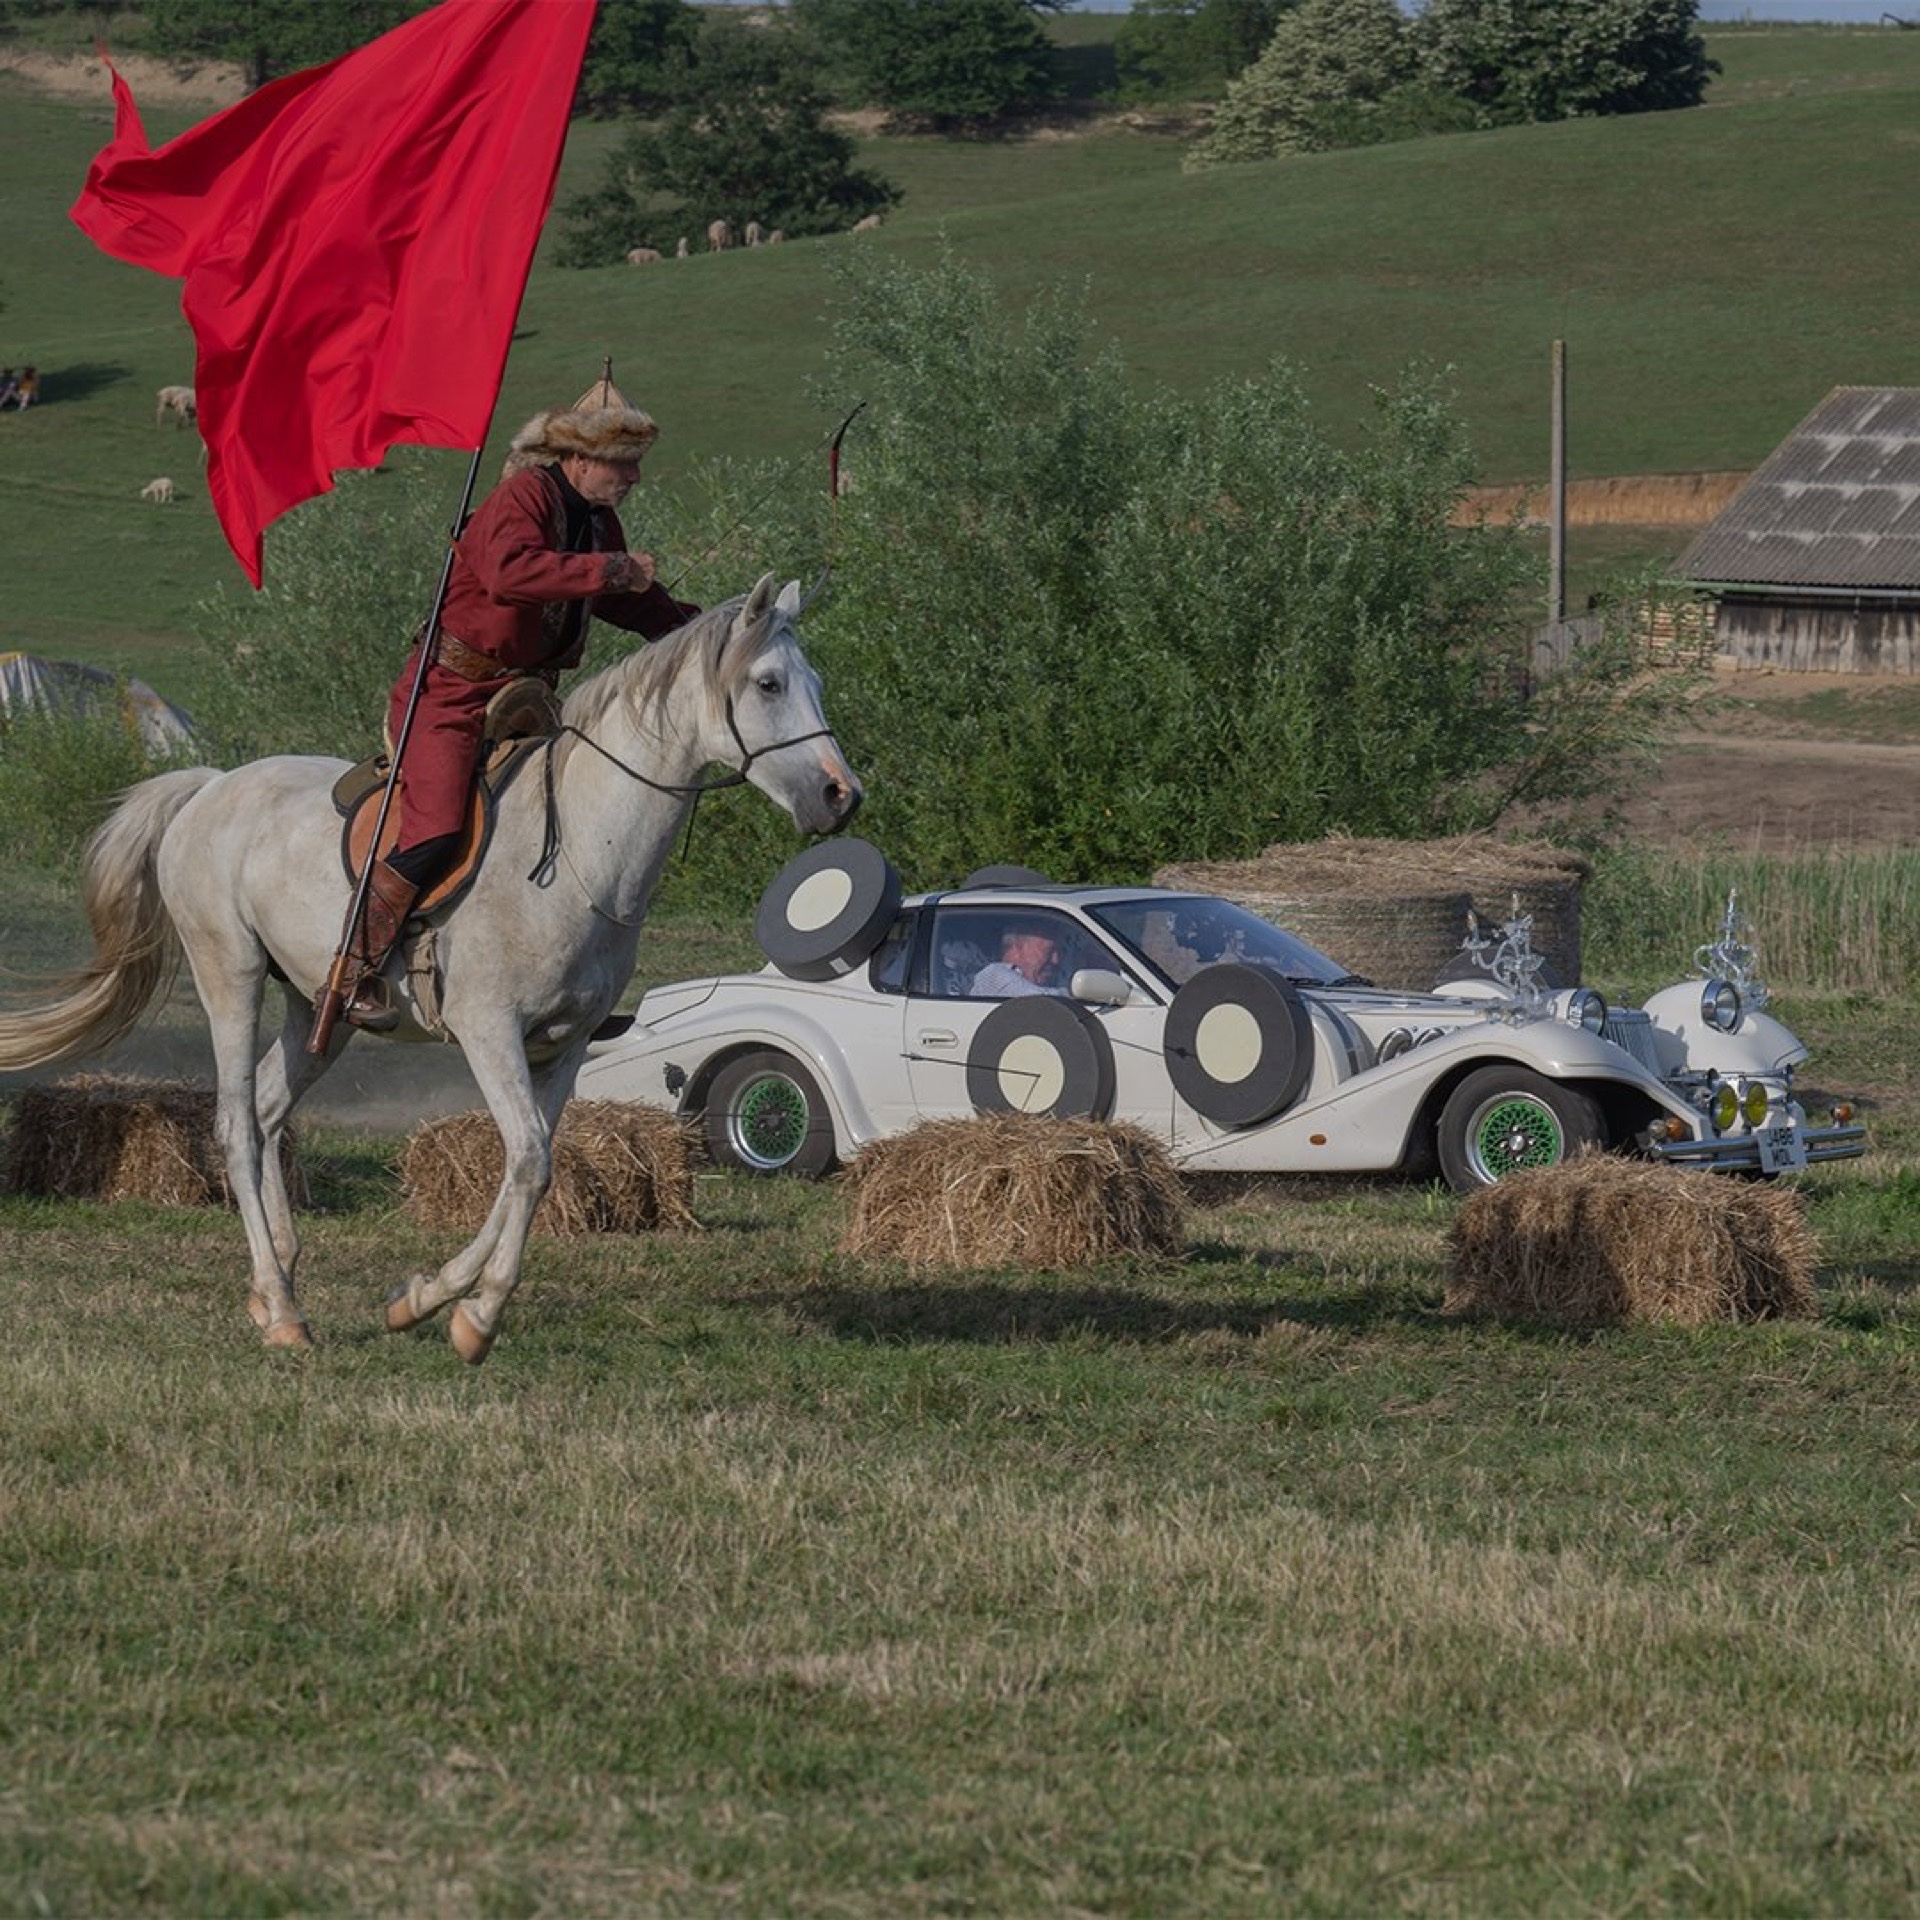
[1518,61]
[1172,49]
[632,52]
[938,63]
[1330,67]
[747,140]
[268,38]
[1095,628]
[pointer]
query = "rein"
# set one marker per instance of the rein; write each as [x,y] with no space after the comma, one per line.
[542,873]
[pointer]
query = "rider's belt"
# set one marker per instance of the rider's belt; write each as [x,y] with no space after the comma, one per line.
[471,664]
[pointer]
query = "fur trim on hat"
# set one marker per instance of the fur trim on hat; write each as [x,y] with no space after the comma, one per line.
[602,433]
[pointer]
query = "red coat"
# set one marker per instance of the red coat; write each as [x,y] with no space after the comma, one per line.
[510,592]
[511,583]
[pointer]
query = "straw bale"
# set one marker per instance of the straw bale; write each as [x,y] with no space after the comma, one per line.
[1014,1189]
[110,1137]
[618,1167]
[1602,1241]
[1396,910]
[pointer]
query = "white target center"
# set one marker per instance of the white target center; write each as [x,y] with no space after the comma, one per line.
[1228,1043]
[1031,1074]
[819,900]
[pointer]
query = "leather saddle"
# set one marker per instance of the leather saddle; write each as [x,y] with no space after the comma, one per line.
[519,718]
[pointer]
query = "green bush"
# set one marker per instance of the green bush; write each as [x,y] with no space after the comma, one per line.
[1095,629]
[60,773]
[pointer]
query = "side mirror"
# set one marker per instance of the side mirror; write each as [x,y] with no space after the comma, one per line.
[1100,987]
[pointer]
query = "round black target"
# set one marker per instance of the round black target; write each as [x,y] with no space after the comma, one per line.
[827,909]
[1003,876]
[1041,1054]
[1238,1044]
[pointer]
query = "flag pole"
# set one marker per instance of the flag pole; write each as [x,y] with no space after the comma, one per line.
[332,997]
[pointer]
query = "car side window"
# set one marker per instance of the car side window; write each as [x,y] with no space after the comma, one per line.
[887,969]
[968,939]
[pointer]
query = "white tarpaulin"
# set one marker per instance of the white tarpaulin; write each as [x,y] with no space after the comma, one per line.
[65,686]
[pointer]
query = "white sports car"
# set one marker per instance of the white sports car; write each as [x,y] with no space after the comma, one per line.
[1236,1044]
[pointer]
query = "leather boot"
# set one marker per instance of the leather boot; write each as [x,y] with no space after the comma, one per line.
[390,897]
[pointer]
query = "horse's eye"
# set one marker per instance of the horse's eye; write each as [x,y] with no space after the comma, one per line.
[769,683]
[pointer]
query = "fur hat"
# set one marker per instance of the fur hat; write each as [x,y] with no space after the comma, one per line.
[603,424]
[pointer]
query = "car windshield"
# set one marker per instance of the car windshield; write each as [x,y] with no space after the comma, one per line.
[1177,937]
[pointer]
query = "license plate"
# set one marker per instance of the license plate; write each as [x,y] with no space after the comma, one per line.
[1781,1149]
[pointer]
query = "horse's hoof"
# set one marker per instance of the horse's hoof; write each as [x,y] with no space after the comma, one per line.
[469,1342]
[400,1315]
[291,1334]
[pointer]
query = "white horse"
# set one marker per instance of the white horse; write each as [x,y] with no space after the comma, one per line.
[245,868]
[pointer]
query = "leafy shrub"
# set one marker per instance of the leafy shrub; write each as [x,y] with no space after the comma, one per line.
[60,772]
[1094,629]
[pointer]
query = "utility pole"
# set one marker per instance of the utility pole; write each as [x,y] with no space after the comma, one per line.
[1557,495]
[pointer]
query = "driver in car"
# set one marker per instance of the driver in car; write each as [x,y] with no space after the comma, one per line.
[1029,962]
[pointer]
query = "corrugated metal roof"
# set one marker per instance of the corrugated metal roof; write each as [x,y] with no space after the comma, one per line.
[1835,505]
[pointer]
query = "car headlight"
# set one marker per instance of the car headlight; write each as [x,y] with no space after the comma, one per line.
[1720,1005]
[1725,1109]
[1587,1010]
[1754,1104]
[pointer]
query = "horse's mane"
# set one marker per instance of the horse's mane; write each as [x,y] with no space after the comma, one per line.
[643,676]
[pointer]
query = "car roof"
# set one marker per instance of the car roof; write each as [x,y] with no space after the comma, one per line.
[1044,896]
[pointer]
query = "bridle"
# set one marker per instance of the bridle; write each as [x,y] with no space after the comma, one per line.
[542,872]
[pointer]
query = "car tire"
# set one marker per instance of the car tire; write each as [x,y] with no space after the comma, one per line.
[1041,1054]
[1504,1119]
[1238,1044]
[765,1114]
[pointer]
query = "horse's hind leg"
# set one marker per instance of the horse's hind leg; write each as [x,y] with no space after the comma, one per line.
[282,1077]
[230,992]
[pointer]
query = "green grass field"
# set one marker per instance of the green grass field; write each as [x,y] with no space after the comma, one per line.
[751,1577]
[1713,273]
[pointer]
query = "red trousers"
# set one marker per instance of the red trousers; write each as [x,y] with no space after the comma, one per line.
[436,771]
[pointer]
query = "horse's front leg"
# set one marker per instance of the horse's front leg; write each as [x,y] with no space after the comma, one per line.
[526,1107]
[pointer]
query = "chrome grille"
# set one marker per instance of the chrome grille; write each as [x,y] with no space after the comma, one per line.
[1632,1030]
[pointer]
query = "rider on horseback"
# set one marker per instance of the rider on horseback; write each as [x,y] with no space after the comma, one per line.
[542,555]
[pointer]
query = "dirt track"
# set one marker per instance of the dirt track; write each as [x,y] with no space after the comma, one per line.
[1760,775]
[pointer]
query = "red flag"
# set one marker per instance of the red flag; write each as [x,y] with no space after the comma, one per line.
[355,240]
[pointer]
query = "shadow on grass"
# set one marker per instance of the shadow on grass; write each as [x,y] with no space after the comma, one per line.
[79,382]
[996,1313]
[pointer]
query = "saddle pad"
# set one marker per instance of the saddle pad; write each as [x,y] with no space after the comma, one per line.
[356,836]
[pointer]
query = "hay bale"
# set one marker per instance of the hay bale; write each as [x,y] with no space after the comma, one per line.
[618,1167]
[1600,1241]
[1014,1189]
[109,1137]
[1396,910]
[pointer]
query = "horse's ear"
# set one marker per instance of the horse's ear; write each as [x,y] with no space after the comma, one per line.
[754,609]
[789,602]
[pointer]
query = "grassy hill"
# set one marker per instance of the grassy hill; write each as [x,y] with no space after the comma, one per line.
[1712,272]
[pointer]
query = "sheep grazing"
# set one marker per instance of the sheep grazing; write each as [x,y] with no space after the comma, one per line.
[719,236]
[641,256]
[177,402]
[683,249]
[755,233]
[871,224]
[160,491]
[777,236]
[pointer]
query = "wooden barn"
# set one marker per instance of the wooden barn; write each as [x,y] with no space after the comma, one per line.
[1814,565]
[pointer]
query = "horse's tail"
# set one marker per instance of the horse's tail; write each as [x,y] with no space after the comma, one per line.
[134,953]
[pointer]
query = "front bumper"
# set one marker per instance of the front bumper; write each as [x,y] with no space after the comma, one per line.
[1740,1152]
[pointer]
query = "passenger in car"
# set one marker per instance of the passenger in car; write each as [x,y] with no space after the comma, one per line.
[1029,963]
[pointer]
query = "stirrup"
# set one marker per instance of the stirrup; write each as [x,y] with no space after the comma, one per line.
[370,1005]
